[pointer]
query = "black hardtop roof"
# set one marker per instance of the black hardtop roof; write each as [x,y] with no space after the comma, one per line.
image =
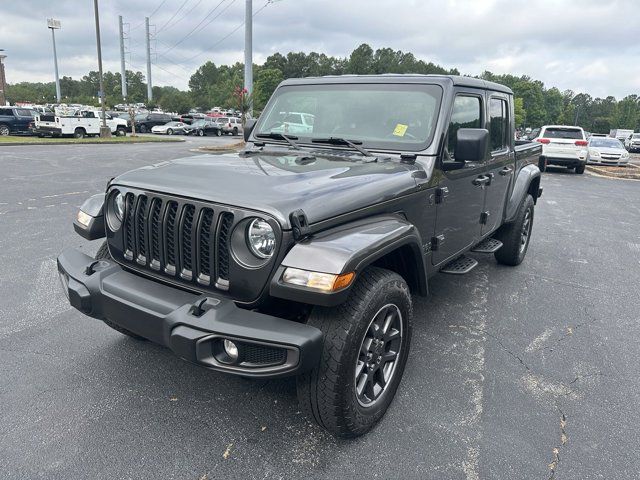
[449,80]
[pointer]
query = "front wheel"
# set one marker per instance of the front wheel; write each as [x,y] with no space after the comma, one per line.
[4,130]
[366,344]
[142,128]
[201,133]
[218,132]
[121,132]
[515,236]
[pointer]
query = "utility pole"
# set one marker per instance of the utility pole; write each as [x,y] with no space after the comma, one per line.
[123,71]
[149,85]
[3,80]
[54,25]
[105,131]
[248,50]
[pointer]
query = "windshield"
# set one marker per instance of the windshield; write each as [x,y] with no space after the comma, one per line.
[635,135]
[571,133]
[389,116]
[605,142]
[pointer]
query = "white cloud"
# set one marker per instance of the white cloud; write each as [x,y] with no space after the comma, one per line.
[585,45]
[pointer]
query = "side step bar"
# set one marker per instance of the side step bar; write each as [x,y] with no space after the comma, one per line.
[460,266]
[488,245]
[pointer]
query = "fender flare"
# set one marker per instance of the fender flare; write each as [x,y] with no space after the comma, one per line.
[526,176]
[349,248]
[94,207]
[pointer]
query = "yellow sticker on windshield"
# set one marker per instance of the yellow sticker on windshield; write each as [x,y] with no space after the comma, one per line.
[400,130]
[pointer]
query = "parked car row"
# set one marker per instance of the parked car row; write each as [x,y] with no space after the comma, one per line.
[201,127]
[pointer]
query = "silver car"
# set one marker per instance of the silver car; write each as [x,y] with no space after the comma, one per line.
[230,125]
[606,151]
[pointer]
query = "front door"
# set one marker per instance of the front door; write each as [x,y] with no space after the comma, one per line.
[501,161]
[460,199]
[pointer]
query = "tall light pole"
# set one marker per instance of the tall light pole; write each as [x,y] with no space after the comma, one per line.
[3,80]
[123,71]
[104,130]
[248,50]
[149,85]
[54,25]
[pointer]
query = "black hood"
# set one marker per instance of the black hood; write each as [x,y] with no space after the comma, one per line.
[279,183]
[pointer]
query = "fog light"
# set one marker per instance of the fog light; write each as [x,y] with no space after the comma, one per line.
[231,349]
[64,281]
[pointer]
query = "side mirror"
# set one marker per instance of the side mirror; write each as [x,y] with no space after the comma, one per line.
[471,144]
[248,128]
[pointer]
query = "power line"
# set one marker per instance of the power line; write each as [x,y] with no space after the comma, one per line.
[172,17]
[227,35]
[185,15]
[201,22]
[152,14]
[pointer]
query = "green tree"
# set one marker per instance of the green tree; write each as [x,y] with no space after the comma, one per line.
[519,114]
[266,82]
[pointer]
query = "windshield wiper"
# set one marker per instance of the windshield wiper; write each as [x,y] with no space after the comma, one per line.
[355,144]
[279,136]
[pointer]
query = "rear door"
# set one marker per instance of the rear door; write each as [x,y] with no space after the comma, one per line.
[501,161]
[460,201]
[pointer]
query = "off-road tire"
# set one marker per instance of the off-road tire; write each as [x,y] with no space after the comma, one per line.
[103,254]
[511,235]
[327,393]
[580,170]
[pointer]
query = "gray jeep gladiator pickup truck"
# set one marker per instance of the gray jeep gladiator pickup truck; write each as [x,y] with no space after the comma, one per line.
[300,255]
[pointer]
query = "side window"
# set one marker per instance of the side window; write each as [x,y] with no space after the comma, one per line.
[466,113]
[498,119]
[6,111]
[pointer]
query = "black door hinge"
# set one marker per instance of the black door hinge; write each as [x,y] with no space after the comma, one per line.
[484,217]
[299,224]
[437,242]
[441,194]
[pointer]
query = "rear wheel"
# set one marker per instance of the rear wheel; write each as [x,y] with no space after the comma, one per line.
[580,169]
[142,128]
[103,254]
[235,131]
[79,133]
[218,132]
[366,344]
[4,130]
[169,131]
[121,132]
[515,236]
[201,133]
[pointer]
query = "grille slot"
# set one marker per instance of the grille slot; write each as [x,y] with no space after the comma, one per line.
[224,233]
[141,231]
[184,241]
[170,238]
[129,227]
[205,246]
[186,247]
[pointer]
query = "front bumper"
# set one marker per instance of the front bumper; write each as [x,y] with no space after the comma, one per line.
[193,326]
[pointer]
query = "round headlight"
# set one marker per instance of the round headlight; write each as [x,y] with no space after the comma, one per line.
[115,210]
[261,238]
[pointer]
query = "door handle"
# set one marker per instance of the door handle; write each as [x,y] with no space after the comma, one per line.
[481,180]
[506,171]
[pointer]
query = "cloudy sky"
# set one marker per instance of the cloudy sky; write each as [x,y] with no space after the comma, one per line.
[591,46]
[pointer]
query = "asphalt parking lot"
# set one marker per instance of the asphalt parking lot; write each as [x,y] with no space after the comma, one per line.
[528,372]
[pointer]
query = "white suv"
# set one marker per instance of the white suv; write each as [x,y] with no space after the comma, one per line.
[563,145]
[231,125]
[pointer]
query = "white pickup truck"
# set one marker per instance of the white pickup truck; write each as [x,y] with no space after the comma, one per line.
[81,124]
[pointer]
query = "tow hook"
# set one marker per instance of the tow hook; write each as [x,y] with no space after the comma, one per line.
[203,305]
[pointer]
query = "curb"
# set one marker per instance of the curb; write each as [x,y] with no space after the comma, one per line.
[633,175]
[89,142]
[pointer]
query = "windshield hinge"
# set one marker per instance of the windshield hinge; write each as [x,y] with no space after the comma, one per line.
[300,224]
[408,158]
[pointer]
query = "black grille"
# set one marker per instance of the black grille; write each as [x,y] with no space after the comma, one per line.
[262,355]
[226,222]
[178,239]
